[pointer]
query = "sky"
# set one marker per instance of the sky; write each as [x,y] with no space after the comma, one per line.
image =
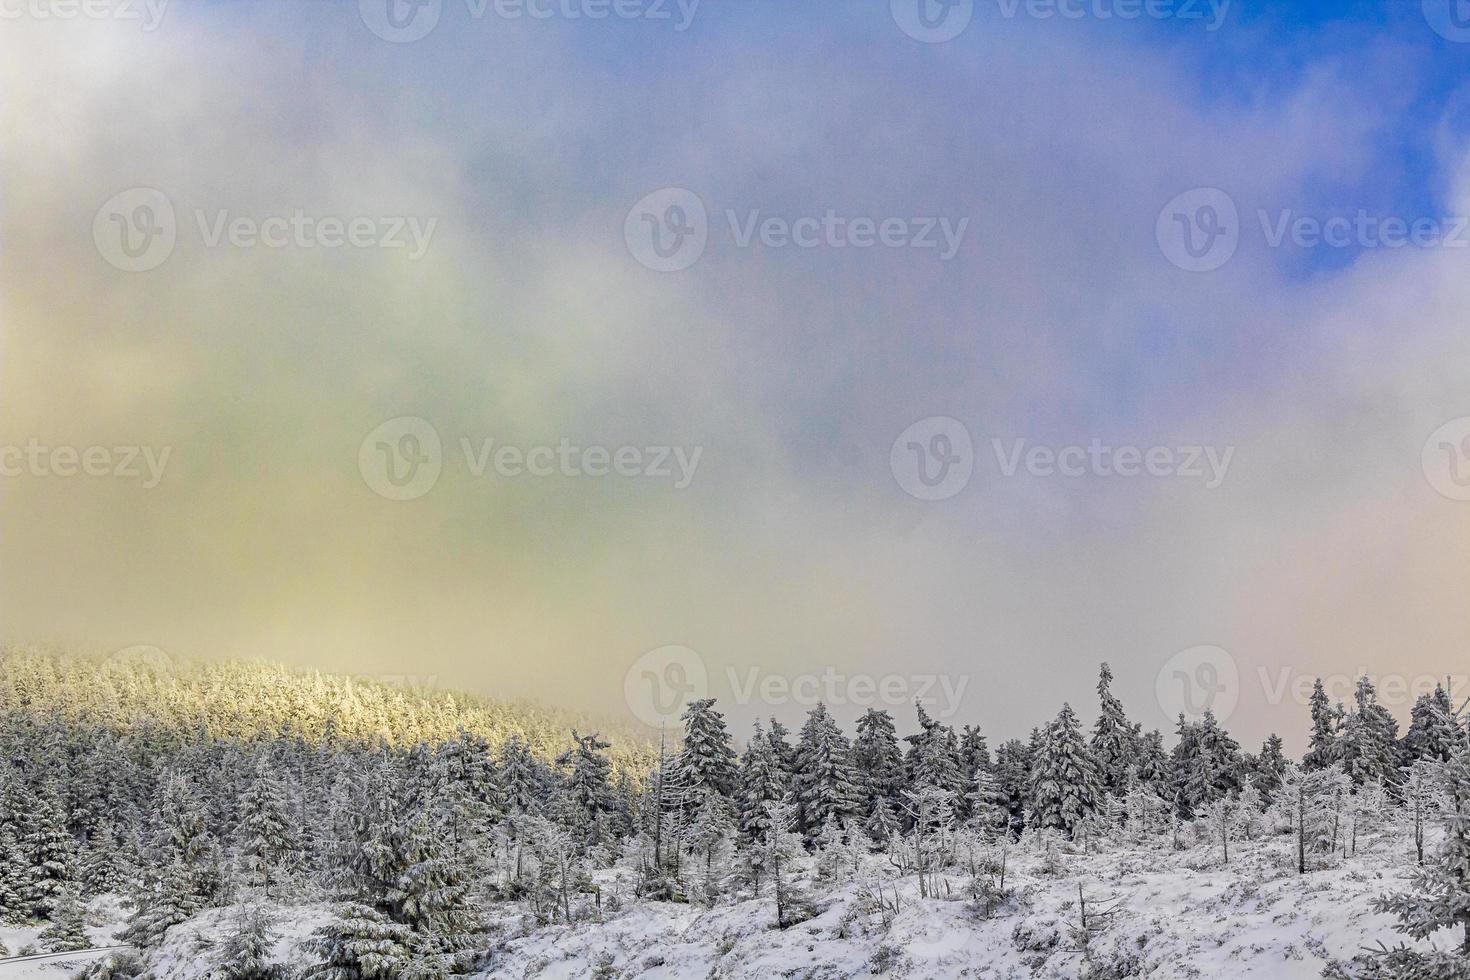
[613,352]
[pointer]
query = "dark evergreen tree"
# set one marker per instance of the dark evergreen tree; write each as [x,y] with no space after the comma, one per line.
[876,759]
[707,762]
[1065,788]
[1113,746]
[822,782]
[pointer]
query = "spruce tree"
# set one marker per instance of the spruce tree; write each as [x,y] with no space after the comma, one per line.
[822,784]
[266,839]
[1439,899]
[1113,747]
[246,951]
[1065,788]
[707,760]
[1368,745]
[588,784]
[360,943]
[761,781]
[876,759]
[67,930]
[1323,750]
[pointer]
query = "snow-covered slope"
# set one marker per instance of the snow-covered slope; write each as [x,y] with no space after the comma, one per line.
[1155,913]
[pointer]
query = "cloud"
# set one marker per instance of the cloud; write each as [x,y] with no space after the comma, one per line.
[527,321]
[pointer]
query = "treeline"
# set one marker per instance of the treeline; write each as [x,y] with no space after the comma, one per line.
[181,809]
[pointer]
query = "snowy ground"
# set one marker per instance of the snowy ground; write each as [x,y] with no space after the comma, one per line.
[105,916]
[1179,915]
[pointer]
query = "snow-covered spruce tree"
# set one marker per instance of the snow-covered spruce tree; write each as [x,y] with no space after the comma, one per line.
[1267,768]
[933,757]
[267,840]
[361,943]
[588,786]
[706,762]
[166,900]
[761,781]
[882,822]
[49,852]
[931,816]
[876,759]
[1326,721]
[68,926]
[1113,746]
[1206,764]
[1064,782]
[974,760]
[245,953]
[522,778]
[1013,774]
[822,782]
[708,837]
[1420,792]
[1218,818]
[985,804]
[1369,740]
[780,856]
[1305,806]
[1439,898]
[1148,812]
[1433,731]
[430,894]
[14,907]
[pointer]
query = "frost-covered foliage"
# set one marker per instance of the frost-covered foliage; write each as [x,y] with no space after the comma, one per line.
[438,829]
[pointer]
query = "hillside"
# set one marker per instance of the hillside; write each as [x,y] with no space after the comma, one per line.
[253,699]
